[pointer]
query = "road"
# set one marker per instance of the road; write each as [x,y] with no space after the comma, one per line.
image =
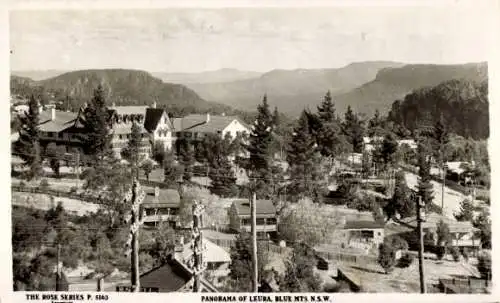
[452,198]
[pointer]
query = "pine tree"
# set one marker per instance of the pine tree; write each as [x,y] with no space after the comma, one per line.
[353,129]
[28,145]
[300,274]
[97,140]
[132,151]
[305,175]
[329,136]
[466,211]
[425,188]
[172,171]
[401,202]
[260,150]
[376,126]
[221,174]
[187,159]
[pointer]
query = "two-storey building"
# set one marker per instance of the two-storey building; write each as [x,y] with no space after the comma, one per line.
[266,218]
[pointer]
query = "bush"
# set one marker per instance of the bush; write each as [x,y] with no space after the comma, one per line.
[455,253]
[484,265]
[44,184]
[440,252]
[22,184]
[73,190]
[406,260]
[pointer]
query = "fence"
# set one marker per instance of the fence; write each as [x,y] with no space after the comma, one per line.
[348,258]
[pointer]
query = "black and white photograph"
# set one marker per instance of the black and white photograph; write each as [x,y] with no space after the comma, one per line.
[336,149]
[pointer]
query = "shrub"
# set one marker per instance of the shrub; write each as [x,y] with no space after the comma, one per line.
[484,265]
[455,253]
[73,190]
[406,260]
[22,184]
[440,252]
[387,257]
[44,184]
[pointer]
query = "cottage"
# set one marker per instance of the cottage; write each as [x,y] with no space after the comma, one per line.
[161,205]
[462,232]
[362,234]
[172,276]
[266,218]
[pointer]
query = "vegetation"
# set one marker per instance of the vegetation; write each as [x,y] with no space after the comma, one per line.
[299,275]
[132,152]
[28,145]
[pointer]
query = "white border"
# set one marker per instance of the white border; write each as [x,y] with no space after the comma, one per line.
[491,10]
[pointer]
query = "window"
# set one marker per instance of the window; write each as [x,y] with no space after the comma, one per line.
[60,135]
[120,137]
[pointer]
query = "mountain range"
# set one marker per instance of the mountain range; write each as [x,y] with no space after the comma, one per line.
[365,86]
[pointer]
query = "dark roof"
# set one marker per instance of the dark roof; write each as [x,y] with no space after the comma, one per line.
[62,121]
[169,277]
[197,123]
[169,197]
[363,225]
[153,116]
[264,207]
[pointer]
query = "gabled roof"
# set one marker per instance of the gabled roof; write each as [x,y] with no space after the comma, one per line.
[433,219]
[126,128]
[363,225]
[198,123]
[168,277]
[62,121]
[263,207]
[153,116]
[167,197]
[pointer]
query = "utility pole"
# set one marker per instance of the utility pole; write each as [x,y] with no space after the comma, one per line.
[135,196]
[420,219]
[255,276]
[58,272]
[198,264]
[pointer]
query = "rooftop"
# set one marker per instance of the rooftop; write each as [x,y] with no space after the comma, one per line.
[62,121]
[363,225]
[263,207]
[153,116]
[168,277]
[129,110]
[198,123]
[433,219]
[166,197]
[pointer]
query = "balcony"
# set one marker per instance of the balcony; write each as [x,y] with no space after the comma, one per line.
[159,218]
[467,242]
[260,228]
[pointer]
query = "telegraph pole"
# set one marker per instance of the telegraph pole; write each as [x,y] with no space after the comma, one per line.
[198,261]
[58,273]
[77,169]
[420,219]
[136,195]
[255,273]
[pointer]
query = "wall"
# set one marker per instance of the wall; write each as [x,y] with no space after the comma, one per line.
[159,132]
[233,128]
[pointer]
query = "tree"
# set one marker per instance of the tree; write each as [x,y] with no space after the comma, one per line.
[387,256]
[186,155]
[222,179]
[329,135]
[172,171]
[147,166]
[466,211]
[56,155]
[389,148]
[259,148]
[159,151]
[443,237]
[425,189]
[484,265]
[241,263]
[300,275]
[306,177]
[376,125]
[96,120]
[353,129]
[483,223]
[401,202]
[28,145]
[131,152]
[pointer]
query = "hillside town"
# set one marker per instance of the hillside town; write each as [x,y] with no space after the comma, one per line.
[340,200]
[236,150]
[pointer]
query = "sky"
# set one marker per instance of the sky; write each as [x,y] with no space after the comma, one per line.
[254,39]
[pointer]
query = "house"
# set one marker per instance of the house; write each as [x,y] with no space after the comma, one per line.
[172,276]
[371,143]
[161,205]
[362,234]
[160,127]
[122,119]
[266,218]
[462,232]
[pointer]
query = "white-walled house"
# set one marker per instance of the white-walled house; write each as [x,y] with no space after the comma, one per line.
[195,127]
[160,127]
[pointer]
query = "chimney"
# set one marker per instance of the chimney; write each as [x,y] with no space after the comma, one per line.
[53,113]
[208,118]
[157,191]
[154,105]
